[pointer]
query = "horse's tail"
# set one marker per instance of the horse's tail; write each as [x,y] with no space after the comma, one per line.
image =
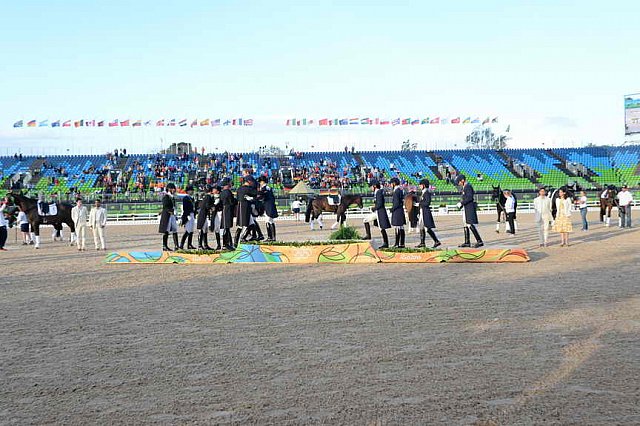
[307,214]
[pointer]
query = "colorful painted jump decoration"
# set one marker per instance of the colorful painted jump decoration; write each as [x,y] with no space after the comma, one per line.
[355,252]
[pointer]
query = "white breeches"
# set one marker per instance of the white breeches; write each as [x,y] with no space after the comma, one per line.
[190,226]
[217,220]
[370,218]
[172,226]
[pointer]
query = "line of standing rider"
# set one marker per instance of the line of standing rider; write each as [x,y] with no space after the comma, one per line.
[216,213]
[426,223]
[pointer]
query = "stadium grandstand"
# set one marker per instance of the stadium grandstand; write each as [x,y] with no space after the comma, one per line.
[139,175]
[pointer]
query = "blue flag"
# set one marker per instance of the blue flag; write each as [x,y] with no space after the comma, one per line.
[18,124]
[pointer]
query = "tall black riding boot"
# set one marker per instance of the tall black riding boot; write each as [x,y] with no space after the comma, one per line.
[367,230]
[190,241]
[422,237]
[385,239]
[269,236]
[401,238]
[260,236]
[165,242]
[436,242]
[476,235]
[201,235]
[175,240]
[396,244]
[467,238]
[205,239]
[218,247]
[184,238]
[237,239]
[273,231]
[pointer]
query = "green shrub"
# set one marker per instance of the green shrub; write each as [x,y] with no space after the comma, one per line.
[345,233]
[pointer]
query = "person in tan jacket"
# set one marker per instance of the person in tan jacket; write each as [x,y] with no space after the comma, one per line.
[543,215]
[97,223]
[79,215]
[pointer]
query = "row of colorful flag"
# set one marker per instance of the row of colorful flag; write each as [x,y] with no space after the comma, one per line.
[387,122]
[137,123]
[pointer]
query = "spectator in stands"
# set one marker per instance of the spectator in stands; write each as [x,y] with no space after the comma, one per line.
[625,201]
[563,224]
[79,215]
[543,215]
[582,205]
[97,223]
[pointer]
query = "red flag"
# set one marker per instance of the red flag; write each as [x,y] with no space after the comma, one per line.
[323,122]
[66,123]
[455,120]
[113,123]
[435,120]
[160,123]
[124,123]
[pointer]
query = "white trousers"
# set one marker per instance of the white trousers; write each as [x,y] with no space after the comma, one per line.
[98,237]
[81,232]
[543,231]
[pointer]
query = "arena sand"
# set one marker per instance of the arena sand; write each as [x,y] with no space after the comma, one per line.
[556,340]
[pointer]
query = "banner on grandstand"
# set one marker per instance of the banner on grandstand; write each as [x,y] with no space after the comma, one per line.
[632,114]
[244,122]
[392,122]
[173,122]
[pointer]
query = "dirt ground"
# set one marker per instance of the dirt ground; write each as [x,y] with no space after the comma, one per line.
[556,340]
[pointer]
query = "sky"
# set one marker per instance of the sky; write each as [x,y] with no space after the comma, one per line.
[555,72]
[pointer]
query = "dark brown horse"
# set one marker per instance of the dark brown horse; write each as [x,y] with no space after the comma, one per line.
[607,204]
[412,211]
[318,205]
[30,207]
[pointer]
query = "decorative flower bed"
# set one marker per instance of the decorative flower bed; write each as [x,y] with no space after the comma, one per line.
[321,252]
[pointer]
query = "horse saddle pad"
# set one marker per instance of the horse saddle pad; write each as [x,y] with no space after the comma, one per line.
[47,209]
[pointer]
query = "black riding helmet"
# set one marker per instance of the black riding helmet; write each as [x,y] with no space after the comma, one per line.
[425,183]
[394,181]
[171,185]
[460,178]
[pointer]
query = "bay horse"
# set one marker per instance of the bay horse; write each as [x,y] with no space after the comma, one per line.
[30,207]
[608,203]
[317,205]
[412,211]
[498,197]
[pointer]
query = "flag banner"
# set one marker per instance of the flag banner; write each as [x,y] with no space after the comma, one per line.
[245,122]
